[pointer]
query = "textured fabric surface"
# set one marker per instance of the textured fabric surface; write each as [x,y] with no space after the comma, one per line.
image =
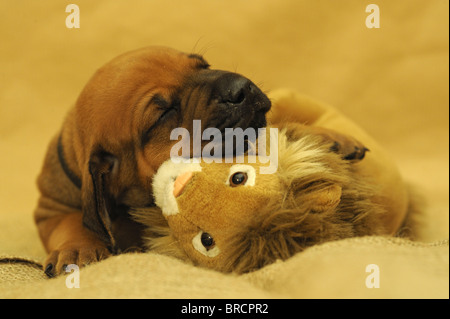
[16,270]
[334,270]
[392,81]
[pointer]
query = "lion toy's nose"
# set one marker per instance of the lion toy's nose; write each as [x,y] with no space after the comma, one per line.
[180,182]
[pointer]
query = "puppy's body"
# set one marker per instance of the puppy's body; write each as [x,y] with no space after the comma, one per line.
[114,139]
[379,167]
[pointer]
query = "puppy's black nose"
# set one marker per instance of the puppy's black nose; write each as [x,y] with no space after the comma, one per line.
[233,89]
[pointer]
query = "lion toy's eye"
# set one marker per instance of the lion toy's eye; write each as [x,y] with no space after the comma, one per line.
[241,175]
[238,178]
[207,241]
[204,243]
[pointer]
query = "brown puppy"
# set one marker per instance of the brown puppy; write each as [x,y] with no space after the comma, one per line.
[115,138]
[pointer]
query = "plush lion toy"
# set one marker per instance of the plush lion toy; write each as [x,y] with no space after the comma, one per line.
[231,217]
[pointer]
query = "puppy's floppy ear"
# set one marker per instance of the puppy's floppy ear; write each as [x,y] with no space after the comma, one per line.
[97,202]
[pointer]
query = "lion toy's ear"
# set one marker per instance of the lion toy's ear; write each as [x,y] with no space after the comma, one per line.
[322,200]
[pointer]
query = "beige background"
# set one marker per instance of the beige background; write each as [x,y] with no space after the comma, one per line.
[393,81]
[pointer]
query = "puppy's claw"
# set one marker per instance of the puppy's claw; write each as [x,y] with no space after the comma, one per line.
[58,260]
[49,271]
[358,154]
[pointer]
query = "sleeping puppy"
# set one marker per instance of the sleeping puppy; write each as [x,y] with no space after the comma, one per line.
[112,142]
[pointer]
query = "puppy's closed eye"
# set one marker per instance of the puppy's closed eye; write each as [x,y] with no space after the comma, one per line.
[165,110]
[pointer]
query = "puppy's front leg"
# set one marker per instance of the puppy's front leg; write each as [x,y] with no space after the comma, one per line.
[67,242]
[289,106]
[59,219]
[347,146]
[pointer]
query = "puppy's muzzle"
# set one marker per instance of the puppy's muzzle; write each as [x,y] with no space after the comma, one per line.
[240,102]
[233,90]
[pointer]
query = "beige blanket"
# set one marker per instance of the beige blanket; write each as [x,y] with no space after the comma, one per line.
[369,267]
[392,80]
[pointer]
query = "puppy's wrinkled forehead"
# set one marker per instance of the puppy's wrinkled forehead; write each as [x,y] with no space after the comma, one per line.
[122,85]
[144,69]
[156,66]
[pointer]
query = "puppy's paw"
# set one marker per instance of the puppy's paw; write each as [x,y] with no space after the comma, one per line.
[349,148]
[58,260]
